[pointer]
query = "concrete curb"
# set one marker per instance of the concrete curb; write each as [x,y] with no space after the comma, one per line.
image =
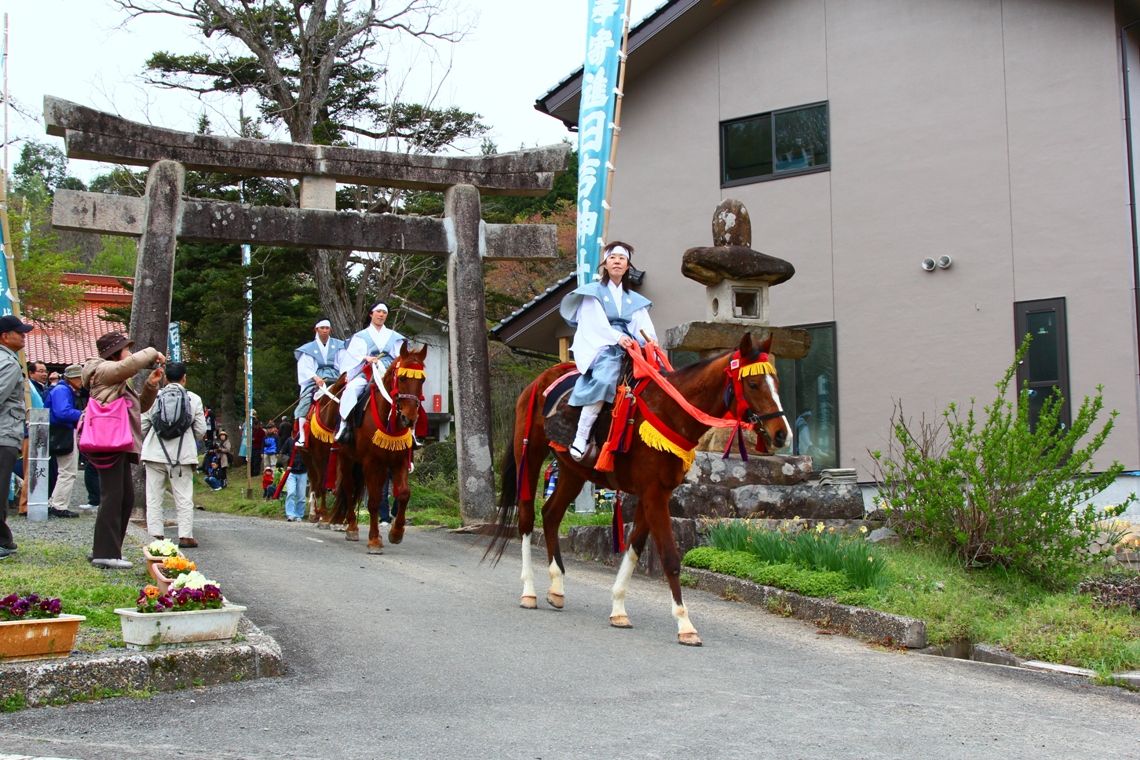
[120,671]
[883,627]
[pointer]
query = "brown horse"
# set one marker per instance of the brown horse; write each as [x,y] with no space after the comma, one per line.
[323,419]
[743,382]
[382,449]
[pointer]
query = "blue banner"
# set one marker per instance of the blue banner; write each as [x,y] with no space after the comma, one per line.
[605,30]
[5,285]
[174,342]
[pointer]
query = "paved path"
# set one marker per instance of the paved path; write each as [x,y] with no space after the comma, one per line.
[423,653]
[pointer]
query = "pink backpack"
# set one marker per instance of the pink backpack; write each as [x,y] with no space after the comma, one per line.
[106,428]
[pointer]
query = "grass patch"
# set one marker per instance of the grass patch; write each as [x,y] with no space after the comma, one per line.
[61,570]
[982,606]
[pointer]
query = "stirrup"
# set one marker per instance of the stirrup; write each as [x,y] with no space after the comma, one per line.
[576,453]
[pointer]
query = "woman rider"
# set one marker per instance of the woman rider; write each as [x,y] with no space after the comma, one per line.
[608,318]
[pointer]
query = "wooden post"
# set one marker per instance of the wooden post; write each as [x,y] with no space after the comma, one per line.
[154,274]
[470,366]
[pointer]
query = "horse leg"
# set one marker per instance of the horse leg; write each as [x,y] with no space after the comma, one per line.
[569,484]
[347,487]
[375,476]
[619,618]
[656,511]
[401,493]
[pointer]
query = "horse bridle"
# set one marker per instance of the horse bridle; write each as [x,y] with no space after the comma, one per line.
[734,393]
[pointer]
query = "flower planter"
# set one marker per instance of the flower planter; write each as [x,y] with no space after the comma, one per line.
[160,579]
[150,630]
[42,638]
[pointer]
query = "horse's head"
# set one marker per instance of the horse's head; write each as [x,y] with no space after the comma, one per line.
[405,379]
[754,384]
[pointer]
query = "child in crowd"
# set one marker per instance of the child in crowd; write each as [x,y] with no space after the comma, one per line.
[214,475]
[267,483]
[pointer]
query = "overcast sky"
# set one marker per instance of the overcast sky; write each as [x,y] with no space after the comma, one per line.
[80,50]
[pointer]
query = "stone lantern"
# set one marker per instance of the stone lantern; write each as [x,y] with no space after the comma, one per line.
[737,280]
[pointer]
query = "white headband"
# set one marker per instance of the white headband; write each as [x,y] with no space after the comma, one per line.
[378,306]
[618,250]
[322,323]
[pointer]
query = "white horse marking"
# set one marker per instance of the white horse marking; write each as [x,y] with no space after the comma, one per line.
[779,407]
[527,570]
[556,577]
[684,625]
[621,583]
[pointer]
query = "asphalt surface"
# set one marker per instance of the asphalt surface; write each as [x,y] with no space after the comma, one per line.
[423,652]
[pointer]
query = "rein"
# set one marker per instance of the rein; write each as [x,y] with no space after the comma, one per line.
[739,415]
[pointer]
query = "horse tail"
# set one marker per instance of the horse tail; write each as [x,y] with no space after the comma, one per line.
[505,525]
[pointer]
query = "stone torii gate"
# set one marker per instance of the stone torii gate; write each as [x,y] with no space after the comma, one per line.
[163,216]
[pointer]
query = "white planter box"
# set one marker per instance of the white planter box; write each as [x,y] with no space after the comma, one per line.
[149,630]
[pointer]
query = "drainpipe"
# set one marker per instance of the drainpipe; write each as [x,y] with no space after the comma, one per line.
[1125,58]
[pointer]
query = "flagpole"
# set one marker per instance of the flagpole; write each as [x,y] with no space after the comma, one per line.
[620,95]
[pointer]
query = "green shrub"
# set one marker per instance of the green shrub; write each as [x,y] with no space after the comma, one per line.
[1000,490]
[437,460]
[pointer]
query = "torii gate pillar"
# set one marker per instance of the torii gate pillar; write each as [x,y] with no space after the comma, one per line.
[470,369]
[154,270]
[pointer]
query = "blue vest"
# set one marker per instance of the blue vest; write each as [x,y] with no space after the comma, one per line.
[388,352]
[631,302]
[326,368]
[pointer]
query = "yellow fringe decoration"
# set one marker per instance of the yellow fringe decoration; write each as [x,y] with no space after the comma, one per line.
[758,368]
[655,440]
[319,431]
[414,374]
[392,442]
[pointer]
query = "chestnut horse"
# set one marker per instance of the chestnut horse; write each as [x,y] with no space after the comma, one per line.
[743,382]
[382,449]
[323,419]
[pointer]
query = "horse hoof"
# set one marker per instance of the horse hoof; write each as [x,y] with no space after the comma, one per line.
[690,639]
[375,549]
[351,535]
[337,528]
[620,621]
[555,600]
[528,602]
[395,537]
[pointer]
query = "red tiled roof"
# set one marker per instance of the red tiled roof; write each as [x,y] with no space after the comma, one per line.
[71,339]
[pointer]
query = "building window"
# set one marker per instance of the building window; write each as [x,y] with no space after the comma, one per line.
[774,144]
[808,392]
[1046,366]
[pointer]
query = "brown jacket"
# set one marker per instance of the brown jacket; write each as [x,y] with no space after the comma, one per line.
[109,380]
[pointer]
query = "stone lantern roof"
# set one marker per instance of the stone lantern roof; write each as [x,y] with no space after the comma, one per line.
[731,257]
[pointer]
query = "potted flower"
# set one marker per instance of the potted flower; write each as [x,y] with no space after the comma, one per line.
[33,627]
[193,609]
[160,549]
[166,571]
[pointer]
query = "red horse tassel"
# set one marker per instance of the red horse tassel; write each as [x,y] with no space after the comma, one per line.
[605,461]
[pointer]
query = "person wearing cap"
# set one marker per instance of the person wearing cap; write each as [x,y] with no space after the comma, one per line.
[376,346]
[63,415]
[317,366]
[12,414]
[109,377]
[608,317]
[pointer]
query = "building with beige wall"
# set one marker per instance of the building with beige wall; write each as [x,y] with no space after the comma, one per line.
[992,132]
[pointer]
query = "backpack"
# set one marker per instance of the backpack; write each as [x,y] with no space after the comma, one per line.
[171,416]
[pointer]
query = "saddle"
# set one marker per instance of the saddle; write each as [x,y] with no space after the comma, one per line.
[561,422]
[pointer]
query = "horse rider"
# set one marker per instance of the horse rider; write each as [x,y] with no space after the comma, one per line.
[317,363]
[608,317]
[375,345]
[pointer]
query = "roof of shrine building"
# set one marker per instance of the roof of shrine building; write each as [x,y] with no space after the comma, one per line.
[70,338]
[535,325]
